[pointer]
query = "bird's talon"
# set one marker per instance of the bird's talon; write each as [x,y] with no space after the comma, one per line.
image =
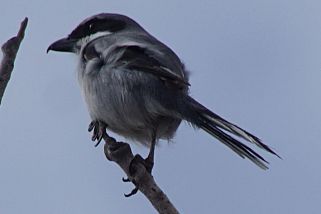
[133,192]
[93,138]
[126,180]
[97,144]
[100,137]
[91,126]
[98,129]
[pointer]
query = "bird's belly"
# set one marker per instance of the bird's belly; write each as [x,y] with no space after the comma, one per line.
[125,111]
[122,116]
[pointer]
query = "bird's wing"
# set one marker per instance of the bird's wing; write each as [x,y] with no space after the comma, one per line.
[140,58]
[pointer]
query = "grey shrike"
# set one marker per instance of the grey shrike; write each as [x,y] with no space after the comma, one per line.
[138,87]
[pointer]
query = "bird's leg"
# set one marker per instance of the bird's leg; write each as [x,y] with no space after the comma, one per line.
[99,129]
[147,162]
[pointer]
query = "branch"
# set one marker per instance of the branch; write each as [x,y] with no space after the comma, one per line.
[121,154]
[10,49]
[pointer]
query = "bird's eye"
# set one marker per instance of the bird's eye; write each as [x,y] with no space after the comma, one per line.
[91,26]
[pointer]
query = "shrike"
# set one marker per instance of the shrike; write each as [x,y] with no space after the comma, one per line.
[138,87]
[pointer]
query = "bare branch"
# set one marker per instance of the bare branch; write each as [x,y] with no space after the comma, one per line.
[10,49]
[121,154]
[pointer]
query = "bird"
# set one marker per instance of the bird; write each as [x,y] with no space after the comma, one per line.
[136,86]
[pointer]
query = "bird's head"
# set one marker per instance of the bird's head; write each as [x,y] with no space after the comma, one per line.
[92,28]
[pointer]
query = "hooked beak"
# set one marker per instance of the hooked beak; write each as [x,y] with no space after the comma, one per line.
[63,45]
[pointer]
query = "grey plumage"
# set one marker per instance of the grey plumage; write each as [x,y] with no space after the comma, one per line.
[139,87]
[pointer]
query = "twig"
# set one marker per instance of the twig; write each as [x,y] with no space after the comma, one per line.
[10,49]
[121,154]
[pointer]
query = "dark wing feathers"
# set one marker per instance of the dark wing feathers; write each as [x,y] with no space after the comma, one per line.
[139,58]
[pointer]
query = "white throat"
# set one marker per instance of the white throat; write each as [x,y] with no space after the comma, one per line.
[91,37]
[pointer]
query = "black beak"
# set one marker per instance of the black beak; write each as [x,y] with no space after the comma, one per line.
[63,45]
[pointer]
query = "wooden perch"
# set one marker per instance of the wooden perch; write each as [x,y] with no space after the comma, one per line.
[121,154]
[9,50]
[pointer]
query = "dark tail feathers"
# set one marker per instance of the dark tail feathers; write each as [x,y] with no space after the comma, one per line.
[214,125]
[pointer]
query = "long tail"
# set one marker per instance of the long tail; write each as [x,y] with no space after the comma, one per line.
[218,128]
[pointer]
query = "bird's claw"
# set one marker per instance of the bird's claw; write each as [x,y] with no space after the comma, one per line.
[126,180]
[132,170]
[99,129]
[133,192]
[91,126]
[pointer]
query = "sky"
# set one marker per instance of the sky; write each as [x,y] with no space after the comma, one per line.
[255,63]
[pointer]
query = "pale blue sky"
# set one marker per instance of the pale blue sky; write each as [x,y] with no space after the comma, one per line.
[256,63]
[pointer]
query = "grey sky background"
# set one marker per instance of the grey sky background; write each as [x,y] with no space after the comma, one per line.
[256,63]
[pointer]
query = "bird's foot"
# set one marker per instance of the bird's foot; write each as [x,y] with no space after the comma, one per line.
[116,150]
[99,129]
[147,163]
